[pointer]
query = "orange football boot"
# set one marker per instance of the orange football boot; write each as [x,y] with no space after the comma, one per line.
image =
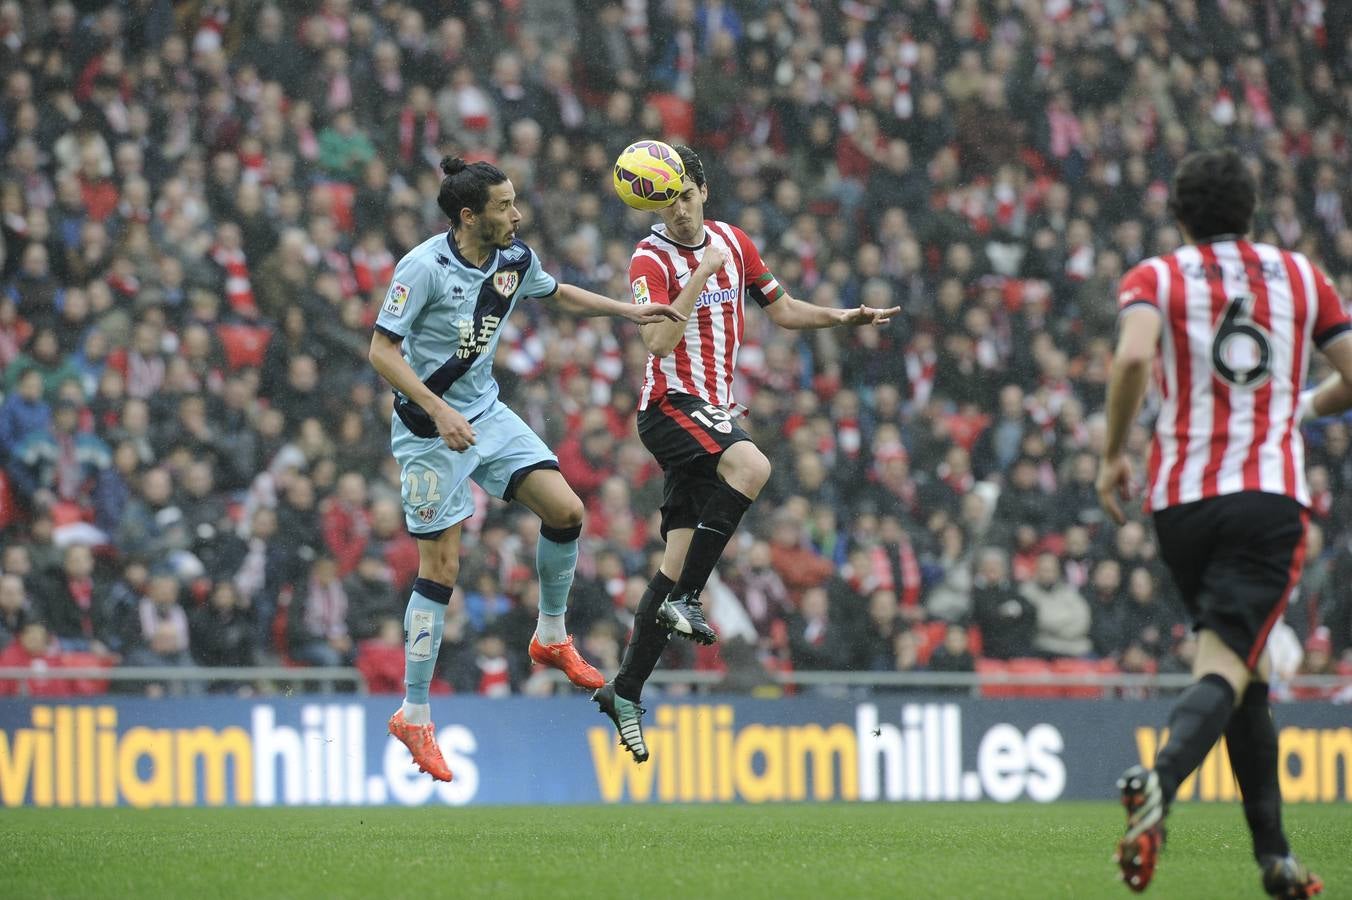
[421,741]
[564,657]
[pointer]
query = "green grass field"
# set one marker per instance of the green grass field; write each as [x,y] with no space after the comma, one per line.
[902,850]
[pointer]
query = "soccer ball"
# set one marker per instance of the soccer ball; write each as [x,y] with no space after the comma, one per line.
[648,175]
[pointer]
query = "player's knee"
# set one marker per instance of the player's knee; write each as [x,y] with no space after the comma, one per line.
[760,470]
[749,469]
[566,515]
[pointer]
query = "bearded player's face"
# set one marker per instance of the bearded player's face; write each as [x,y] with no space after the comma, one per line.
[685,217]
[496,225]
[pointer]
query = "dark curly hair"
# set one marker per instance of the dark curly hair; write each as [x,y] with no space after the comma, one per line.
[1214,193]
[694,168]
[466,186]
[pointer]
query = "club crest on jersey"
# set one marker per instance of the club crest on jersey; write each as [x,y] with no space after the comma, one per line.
[640,288]
[396,299]
[723,427]
[505,283]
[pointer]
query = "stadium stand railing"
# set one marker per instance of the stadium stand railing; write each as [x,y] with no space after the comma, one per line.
[1008,679]
[325,679]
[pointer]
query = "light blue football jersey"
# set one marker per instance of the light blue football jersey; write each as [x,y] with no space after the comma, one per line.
[449,314]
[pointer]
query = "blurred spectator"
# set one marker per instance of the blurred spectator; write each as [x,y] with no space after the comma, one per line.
[59,464]
[370,598]
[954,654]
[1304,606]
[37,650]
[1148,621]
[15,612]
[380,658]
[485,668]
[1063,616]
[24,412]
[904,652]
[223,632]
[601,645]
[1008,621]
[164,638]
[816,641]
[318,634]
[485,602]
[794,561]
[69,607]
[873,647]
[950,598]
[1108,626]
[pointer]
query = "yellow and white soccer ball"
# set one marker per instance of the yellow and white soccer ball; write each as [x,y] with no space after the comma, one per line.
[648,175]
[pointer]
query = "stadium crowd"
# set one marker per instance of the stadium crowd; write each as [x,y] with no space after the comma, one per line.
[202,203]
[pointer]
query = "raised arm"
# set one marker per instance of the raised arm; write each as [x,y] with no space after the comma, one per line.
[581,302]
[790,312]
[661,337]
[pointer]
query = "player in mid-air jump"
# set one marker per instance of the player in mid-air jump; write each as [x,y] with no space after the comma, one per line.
[434,342]
[702,269]
[1233,323]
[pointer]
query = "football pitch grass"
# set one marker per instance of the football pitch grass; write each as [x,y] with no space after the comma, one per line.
[783,851]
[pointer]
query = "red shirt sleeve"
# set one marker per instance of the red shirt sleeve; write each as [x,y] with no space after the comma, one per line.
[648,280]
[1331,320]
[761,285]
[1139,285]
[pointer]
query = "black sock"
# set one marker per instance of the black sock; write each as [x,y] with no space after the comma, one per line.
[1251,738]
[646,643]
[1197,721]
[717,521]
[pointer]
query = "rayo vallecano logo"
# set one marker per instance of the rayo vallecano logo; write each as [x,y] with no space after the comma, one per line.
[505,283]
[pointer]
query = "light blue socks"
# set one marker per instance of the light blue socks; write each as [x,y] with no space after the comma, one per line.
[555,563]
[424,619]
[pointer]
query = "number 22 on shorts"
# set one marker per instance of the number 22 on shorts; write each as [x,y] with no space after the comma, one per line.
[428,493]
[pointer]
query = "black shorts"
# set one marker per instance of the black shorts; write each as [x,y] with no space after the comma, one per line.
[687,436]
[1235,559]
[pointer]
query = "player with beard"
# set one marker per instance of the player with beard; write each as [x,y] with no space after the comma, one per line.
[435,340]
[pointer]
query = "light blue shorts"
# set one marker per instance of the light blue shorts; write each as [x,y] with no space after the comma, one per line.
[435,478]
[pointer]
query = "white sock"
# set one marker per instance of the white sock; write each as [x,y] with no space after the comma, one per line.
[550,629]
[417,713]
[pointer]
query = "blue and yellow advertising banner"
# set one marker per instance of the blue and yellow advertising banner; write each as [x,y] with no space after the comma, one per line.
[333,751]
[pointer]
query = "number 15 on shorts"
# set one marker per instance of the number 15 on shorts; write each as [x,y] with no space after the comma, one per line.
[711,416]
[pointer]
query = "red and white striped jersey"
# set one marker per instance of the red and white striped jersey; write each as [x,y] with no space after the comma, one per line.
[1239,321]
[703,362]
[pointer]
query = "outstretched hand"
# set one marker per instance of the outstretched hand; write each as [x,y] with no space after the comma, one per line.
[867,315]
[647,313]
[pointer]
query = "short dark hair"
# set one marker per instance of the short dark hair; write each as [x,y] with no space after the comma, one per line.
[1214,193]
[694,169]
[466,186]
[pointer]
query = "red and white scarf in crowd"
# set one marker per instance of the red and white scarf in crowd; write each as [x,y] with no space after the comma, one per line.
[1066,133]
[920,368]
[371,269]
[336,261]
[238,288]
[899,573]
[409,139]
[326,610]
